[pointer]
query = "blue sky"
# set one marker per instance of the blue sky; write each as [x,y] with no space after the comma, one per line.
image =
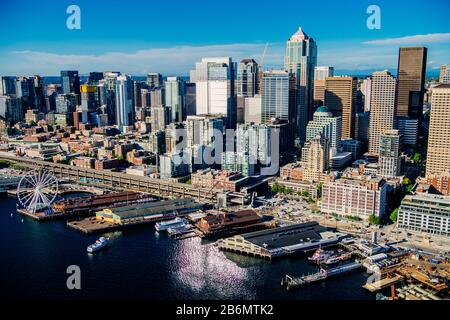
[137,36]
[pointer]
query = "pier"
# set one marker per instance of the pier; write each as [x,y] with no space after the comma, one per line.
[292,282]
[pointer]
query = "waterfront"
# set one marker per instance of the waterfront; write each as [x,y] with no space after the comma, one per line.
[140,264]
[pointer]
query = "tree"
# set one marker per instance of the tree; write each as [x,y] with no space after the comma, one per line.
[374,220]
[32,123]
[394,216]
[417,158]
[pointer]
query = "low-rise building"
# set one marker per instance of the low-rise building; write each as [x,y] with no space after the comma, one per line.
[222,180]
[220,223]
[426,213]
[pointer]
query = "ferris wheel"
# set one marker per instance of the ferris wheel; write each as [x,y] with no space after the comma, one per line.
[37,190]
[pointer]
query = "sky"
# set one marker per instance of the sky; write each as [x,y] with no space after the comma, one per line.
[169,36]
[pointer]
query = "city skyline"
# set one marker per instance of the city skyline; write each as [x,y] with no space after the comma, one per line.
[137,47]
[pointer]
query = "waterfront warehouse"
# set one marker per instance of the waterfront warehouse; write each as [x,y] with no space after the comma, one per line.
[152,211]
[282,241]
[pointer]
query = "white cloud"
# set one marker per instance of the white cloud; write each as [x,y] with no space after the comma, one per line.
[176,60]
[411,40]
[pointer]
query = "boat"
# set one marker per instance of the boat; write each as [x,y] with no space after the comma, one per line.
[165,225]
[180,229]
[99,244]
[320,255]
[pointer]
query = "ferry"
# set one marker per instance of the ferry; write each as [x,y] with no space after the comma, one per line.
[179,230]
[320,255]
[99,244]
[165,225]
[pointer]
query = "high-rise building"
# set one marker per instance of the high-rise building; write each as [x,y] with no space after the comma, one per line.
[10,109]
[323,72]
[278,87]
[190,99]
[154,80]
[340,98]
[70,82]
[444,75]
[390,161]
[66,105]
[300,61]
[247,85]
[124,108]
[253,110]
[319,93]
[89,103]
[412,66]
[214,81]
[438,157]
[365,88]
[161,117]
[327,125]
[174,98]
[7,85]
[315,158]
[95,77]
[382,109]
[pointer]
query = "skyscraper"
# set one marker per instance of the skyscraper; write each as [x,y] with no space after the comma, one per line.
[7,85]
[174,98]
[382,109]
[214,80]
[323,72]
[438,157]
[247,85]
[154,80]
[124,109]
[300,61]
[70,82]
[412,65]
[444,75]
[190,99]
[390,161]
[340,98]
[89,103]
[320,74]
[277,90]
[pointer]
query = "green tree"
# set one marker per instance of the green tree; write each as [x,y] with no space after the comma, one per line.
[374,220]
[394,216]
[32,123]
[417,158]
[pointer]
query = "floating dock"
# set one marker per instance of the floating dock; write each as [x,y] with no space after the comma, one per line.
[384,283]
[292,282]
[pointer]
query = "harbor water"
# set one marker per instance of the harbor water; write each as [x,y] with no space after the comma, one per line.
[141,264]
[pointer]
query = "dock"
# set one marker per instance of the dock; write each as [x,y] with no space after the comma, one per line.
[292,282]
[384,283]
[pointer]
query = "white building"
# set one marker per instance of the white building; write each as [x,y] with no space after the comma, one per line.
[425,213]
[328,126]
[214,83]
[124,106]
[323,72]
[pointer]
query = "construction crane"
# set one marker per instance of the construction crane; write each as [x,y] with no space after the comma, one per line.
[264,54]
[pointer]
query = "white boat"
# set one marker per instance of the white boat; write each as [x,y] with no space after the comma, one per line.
[165,225]
[99,244]
[179,230]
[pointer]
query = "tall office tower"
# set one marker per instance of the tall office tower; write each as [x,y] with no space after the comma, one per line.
[157,97]
[362,125]
[38,94]
[390,161]
[7,85]
[137,98]
[146,99]
[107,101]
[382,109]
[444,75]
[247,85]
[278,96]
[124,108]
[253,110]
[340,98]
[319,93]
[438,157]
[214,80]
[190,99]
[366,87]
[327,125]
[89,103]
[323,72]
[174,98]
[412,66]
[161,117]
[300,61]
[66,104]
[154,80]
[94,78]
[11,109]
[70,82]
